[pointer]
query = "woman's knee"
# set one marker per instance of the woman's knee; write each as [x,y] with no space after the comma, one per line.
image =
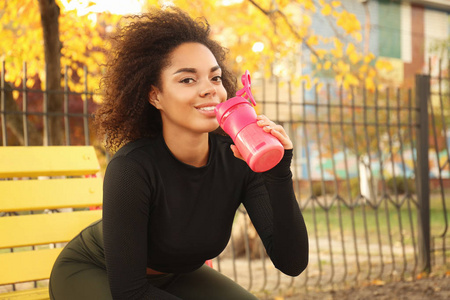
[74,281]
[207,283]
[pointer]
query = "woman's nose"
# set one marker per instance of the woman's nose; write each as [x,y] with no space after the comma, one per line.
[208,89]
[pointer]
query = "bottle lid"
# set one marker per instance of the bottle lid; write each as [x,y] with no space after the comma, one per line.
[246,92]
[222,109]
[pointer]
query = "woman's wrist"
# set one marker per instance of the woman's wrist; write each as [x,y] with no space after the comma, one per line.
[283,168]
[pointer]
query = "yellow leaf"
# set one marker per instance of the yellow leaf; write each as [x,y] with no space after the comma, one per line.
[348,22]
[313,40]
[346,84]
[326,10]
[378,282]
[363,69]
[80,72]
[357,36]
[308,84]
[304,77]
[422,275]
[306,20]
[351,79]
[321,53]
[354,58]
[368,58]
[337,43]
[319,86]
[337,53]
[343,67]
[327,65]
[370,85]
[309,5]
[350,49]
[336,3]
[383,65]
[30,83]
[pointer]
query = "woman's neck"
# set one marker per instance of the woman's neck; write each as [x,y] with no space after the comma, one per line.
[191,149]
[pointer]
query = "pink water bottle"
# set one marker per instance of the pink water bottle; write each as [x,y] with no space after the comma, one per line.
[261,150]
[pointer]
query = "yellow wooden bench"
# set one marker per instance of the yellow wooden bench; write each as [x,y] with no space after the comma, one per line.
[39,179]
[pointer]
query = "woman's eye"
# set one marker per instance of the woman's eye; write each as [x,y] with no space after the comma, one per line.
[187,80]
[217,78]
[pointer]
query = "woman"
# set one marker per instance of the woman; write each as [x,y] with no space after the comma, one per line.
[172,189]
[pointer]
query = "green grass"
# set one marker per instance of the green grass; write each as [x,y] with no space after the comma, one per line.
[369,222]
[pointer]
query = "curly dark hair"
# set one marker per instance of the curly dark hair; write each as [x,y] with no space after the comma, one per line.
[140,51]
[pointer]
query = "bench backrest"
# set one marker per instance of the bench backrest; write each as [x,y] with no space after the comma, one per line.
[34,181]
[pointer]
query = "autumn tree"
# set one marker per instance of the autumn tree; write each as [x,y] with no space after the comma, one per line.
[284,27]
[50,40]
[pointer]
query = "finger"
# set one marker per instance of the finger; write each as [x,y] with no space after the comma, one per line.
[264,121]
[262,117]
[279,132]
[275,127]
[236,152]
[283,138]
[276,130]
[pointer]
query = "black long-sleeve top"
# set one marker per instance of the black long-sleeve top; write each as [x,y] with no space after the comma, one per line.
[163,214]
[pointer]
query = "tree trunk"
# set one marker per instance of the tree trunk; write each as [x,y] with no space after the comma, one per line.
[52,47]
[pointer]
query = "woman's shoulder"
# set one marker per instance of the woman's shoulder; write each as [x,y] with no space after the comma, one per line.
[135,156]
[133,147]
[138,152]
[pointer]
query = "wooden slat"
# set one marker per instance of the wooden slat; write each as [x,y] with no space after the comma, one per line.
[33,294]
[19,195]
[27,265]
[47,161]
[40,229]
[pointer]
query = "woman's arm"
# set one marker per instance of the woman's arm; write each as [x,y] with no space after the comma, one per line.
[272,206]
[126,197]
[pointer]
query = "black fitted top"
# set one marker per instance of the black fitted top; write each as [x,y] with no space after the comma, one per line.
[163,214]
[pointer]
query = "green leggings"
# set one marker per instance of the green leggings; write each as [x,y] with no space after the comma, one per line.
[79,273]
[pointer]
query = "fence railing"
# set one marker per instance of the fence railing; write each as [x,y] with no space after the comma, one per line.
[371,171]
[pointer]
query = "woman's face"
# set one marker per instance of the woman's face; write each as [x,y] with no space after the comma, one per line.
[191,88]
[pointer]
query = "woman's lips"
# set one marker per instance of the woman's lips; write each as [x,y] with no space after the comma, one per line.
[207,109]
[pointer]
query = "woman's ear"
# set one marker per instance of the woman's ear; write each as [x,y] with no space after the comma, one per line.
[153,97]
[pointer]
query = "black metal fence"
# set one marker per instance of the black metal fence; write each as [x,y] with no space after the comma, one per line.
[371,172]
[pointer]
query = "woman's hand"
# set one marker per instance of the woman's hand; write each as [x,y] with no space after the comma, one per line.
[276,130]
[268,126]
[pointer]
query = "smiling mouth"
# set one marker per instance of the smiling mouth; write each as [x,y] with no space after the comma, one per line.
[207,108]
